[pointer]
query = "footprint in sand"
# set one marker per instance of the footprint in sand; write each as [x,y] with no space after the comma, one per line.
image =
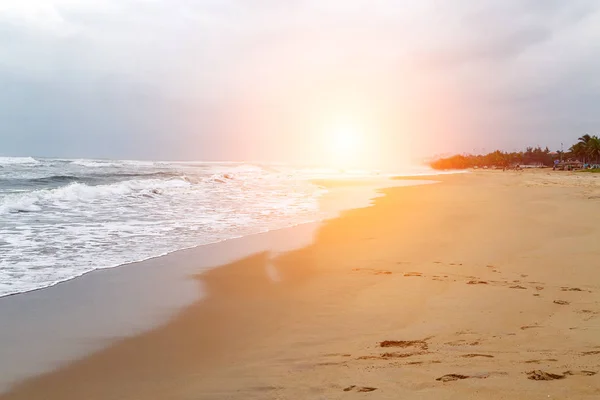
[451,377]
[581,373]
[413,274]
[540,361]
[362,389]
[389,356]
[562,302]
[424,362]
[330,363]
[457,377]
[530,327]
[517,287]
[571,289]
[539,375]
[590,353]
[422,344]
[473,355]
[462,342]
[475,282]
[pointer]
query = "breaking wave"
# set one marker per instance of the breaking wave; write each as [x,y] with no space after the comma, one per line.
[4,161]
[74,193]
[62,218]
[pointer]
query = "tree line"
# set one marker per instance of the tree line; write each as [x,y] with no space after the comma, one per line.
[585,150]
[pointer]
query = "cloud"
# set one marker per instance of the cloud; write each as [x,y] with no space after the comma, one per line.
[450,74]
[31,14]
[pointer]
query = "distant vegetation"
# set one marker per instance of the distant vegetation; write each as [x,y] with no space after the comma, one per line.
[591,170]
[586,150]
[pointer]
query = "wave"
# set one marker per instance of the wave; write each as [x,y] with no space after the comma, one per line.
[111,163]
[18,161]
[41,182]
[160,174]
[75,192]
[221,178]
[52,179]
[59,220]
[95,164]
[87,178]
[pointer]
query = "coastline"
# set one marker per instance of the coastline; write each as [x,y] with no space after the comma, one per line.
[90,312]
[467,273]
[331,204]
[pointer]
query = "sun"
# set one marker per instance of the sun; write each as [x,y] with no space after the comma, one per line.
[346,142]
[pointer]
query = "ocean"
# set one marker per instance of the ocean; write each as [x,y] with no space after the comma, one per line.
[62,218]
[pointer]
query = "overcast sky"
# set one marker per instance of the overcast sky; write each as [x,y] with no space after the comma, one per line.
[260,80]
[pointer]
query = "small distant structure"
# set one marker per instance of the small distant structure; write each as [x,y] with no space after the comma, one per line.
[568,165]
[536,165]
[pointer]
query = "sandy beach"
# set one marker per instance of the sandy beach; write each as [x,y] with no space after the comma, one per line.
[484,285]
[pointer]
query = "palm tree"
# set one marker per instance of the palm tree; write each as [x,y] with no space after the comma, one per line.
[585,139]
[593,148]
[581,148]
[579,151]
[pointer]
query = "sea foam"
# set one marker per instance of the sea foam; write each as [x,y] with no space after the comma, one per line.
[17,160]
[62,218]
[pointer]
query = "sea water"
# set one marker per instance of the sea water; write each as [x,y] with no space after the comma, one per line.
[62,218]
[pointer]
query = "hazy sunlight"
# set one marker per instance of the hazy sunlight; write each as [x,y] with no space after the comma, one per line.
[346,139]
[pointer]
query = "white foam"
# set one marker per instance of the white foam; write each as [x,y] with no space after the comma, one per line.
[77,192]
[90,163]
[52,234]
[95,163]
[76,228]
[18,161]
[18,203]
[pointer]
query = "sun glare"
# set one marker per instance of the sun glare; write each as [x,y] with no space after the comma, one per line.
[346,141]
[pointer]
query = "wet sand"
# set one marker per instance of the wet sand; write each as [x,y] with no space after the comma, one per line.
[483,286]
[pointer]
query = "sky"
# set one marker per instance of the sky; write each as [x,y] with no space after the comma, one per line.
[270,80]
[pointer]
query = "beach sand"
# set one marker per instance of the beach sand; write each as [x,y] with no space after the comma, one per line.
[484,286]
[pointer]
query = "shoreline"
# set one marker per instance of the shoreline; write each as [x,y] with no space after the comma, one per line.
[146,294]
[484,279]
[332,211]
[133,285]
